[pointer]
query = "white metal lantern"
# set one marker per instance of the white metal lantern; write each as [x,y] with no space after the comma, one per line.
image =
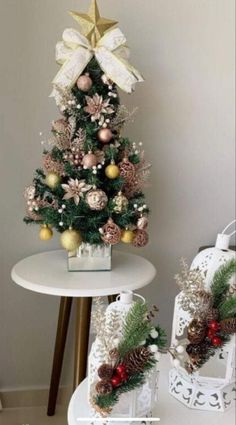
[210,259]
[213,386]
[136,403]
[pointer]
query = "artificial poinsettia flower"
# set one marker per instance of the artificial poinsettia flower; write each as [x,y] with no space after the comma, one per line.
[96,106]
[75,189]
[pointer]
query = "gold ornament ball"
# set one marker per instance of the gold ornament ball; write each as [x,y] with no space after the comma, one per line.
[89,160]
[105,135]
[52,180]
[112,171]
[70,239]
[84,83]
[127,236]
[45,233]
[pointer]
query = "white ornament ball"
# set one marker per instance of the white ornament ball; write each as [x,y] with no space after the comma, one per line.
[153,348]
[180,349]
[154,334]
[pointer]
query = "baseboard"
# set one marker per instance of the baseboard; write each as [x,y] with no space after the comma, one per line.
[32,397]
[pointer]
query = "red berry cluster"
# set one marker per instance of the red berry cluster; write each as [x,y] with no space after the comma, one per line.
[213,329]
[120,375]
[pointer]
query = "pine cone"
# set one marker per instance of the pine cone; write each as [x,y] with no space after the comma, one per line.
[104,387]
[212,314]
[197,331]
[105,371]
[198,349]
[228,326]
[135,360]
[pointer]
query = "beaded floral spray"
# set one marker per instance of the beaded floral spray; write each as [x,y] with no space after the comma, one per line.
[213,312]
[90,185]
[131,359]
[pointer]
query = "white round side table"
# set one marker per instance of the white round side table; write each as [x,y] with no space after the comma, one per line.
[168,409]
[46,273]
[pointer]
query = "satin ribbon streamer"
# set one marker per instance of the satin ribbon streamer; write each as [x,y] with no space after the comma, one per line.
[75,52]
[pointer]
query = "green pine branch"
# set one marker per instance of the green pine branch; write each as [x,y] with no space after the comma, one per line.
[220,283]
[227,308]
[136,328]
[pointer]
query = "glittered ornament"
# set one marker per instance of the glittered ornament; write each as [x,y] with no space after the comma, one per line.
[84,83]
[104,387]
[71,239]
[52,180]
[112,171]
[105,135]
[127,236]
[197,331]
[127,170]
[140,238]
[105,371]
[45,233]
[89,160]
[142,223]
[60,126]
[120,203]
[96,199]
[111,233]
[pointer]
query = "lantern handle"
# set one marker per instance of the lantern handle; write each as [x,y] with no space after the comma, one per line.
[228,226]
[134,294]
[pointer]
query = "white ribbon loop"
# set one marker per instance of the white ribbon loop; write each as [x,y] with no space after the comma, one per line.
[75,52]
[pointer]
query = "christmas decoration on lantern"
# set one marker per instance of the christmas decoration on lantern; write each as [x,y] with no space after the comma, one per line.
[203,307]
[90,172]
[130,364]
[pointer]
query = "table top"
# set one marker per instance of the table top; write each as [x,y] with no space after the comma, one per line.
[47,273]
[168,409]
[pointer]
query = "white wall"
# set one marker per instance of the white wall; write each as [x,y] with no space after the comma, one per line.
[186,121]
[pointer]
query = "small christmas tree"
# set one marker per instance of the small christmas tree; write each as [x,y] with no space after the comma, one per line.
[90,186]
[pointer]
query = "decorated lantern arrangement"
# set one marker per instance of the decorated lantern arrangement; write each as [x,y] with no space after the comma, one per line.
[204,327]
[123,363]
[90,186]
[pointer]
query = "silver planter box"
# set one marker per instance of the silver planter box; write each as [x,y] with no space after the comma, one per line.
[90,258]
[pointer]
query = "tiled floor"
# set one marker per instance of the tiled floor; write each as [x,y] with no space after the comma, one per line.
[33,416]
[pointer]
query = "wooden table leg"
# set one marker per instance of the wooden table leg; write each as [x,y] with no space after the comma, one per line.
[83,318]
[62,328]
[111,298]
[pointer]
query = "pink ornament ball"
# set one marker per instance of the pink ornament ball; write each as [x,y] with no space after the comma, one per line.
[105,135]
[140,238]
[89,160]
[84,83]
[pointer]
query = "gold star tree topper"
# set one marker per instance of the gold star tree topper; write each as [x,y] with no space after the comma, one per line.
[93,26]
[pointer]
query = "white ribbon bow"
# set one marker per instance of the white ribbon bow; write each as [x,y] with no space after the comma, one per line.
[75,52]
